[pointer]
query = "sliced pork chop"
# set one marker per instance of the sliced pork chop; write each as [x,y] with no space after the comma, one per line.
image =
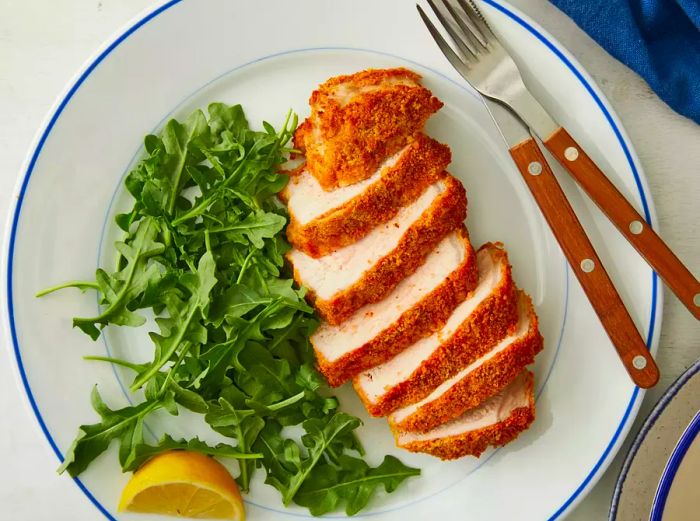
[480,380]
[357,121]
[497,421]
[478,323]
[321,222]
[417,306]
[366,271]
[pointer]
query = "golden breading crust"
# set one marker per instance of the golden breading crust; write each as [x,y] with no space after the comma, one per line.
[301,134]
[400,184]
[488,323]
[475,442]
[421,320]
[486,381]
[446,214]
[358,121]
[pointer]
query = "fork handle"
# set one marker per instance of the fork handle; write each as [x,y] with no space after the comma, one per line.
[585,263]
[626,218]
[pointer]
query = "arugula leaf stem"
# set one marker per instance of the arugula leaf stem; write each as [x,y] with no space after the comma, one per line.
[242,445]
[207,240]
[299,478]
[140,255]
[141,414]
[369,479]
[214,161]
[289,401]
[173,368]
[237,227]
[206,201]
[144,377]
[167,237]
[115,361]
[244,266]
[315,455]
[82,285]
[175,187]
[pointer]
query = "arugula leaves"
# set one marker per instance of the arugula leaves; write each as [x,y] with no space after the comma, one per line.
[143,452]
[124,424]
[288,466]
[183,328]
[204,251]
[353,482]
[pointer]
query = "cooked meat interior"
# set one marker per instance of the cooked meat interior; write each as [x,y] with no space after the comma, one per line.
[421,303]
[321,222]
[307,200]
[495,422]
[364,272]
[478,381]
[357,121]
[478,323]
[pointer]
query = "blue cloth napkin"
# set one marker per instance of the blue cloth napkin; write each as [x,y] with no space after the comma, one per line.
[659,39]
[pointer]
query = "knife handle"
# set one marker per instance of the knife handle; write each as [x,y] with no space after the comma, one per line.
[626,218]
[585,263]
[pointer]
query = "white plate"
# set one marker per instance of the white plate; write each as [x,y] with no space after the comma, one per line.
[660,474]
[269,55]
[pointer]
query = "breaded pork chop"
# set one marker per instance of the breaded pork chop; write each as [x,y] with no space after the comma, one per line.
[358,121]
[322,222]
[483,319]
[366,271]
[480,380]
[495,422]
[418,305]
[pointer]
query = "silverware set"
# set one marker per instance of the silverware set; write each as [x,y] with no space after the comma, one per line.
[477,54]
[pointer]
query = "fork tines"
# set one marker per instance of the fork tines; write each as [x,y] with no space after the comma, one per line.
[466,27]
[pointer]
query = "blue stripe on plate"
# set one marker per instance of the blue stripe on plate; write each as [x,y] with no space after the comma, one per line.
[674,462]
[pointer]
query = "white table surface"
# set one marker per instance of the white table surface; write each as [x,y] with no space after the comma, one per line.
[42,45]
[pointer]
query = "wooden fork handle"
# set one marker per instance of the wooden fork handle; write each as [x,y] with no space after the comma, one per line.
[626,218]
[585,263]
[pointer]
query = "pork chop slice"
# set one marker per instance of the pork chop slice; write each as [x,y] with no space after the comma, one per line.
[359,120]
[497,421]
[479,322]
[480,380]
[321,222]
[417,306]
[366,271]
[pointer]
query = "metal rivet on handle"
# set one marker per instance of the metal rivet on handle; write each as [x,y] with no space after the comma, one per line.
[636,227]
[696,299]
[535,168]
[587,265]
[639,362]
[571,153]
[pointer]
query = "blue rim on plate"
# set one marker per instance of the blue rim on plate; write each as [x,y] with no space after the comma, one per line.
[655,297]
[654,415]
[671,468]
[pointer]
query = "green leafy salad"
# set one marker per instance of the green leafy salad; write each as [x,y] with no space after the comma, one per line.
[204,248]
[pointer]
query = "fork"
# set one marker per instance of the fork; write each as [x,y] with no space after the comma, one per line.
[489,69]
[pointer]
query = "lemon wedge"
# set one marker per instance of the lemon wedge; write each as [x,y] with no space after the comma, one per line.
[183,484]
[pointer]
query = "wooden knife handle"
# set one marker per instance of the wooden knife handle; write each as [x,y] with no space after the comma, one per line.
[626,218]
[585,263]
